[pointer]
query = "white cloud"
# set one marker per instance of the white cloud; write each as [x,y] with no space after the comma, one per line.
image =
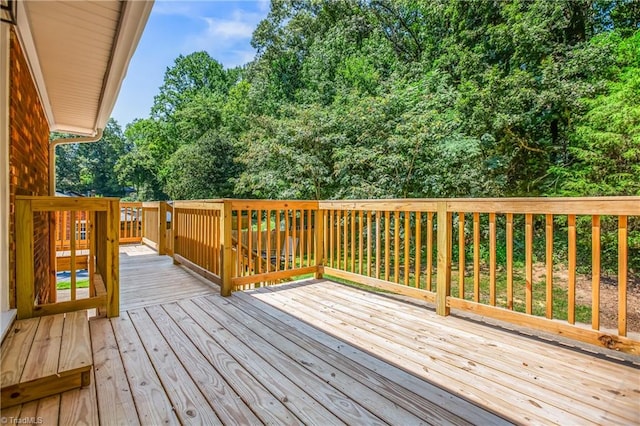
[227,38]
[227,29]
[264,5]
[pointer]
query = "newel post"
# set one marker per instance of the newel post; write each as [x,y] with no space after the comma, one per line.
[226,249]
[112,252]
[443,289]
[162,228]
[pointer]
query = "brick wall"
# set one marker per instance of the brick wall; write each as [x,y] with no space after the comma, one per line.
[28,164]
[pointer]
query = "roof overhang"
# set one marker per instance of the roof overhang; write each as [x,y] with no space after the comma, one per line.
[79,52]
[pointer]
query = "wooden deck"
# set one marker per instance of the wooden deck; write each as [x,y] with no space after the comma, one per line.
[321,353]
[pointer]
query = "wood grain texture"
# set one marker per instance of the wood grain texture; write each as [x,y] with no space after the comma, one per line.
[112,387]
[45,354]
[75,349]
[190,405]
[152,403]
[15,350]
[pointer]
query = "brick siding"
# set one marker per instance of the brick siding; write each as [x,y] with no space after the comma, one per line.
[28,165]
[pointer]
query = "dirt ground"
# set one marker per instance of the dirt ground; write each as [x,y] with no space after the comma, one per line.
[608,296]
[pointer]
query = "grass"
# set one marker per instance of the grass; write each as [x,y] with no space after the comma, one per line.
[66,285]
[560,297]
[560,302]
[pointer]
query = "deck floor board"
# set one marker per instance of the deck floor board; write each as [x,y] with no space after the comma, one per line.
[320,353]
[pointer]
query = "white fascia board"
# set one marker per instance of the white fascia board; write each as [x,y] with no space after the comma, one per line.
[133,20]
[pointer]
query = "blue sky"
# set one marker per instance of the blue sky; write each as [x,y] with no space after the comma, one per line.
[222,28]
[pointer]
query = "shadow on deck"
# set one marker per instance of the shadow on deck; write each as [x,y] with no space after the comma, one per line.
[317,352]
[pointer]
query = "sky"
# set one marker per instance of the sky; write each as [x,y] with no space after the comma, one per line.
[223,28]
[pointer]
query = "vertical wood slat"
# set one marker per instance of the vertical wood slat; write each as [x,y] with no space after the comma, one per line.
[476,257]
[378,244]
[331,245]
[310,238]
[207,247]
[320,226]
[571,306]
[396,247]
[622,275]
[429,250]
[360,240]
[239,256]
[353,240]
[369,222]
[259,240]
[461,257]
[268,250]
[418,256]
[345,238]
[595,272]
[549,265]
[529,263]
[278,239]
[250,258]
[287,245]
[492,259]
[338,231]
[387,251]
[509,230]
[91,218]
[407,243]
[300,237]
[444,261]
[74,235]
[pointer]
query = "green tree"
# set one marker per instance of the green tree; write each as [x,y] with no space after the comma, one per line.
[89,167]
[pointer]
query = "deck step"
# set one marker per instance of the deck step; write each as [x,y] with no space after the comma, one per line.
[45,356]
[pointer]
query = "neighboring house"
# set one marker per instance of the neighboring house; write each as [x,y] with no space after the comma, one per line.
[61,68]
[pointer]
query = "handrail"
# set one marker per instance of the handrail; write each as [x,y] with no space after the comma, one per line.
[474,255]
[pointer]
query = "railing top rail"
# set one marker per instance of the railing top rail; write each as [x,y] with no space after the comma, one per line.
[534,205]
[578,206]
[199,204]
[67,203]
[272,204]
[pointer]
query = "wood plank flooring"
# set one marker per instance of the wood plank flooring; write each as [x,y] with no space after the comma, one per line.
[148,279]
[320,353]
[44,356]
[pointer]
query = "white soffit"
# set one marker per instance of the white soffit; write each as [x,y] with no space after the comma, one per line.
[79,52]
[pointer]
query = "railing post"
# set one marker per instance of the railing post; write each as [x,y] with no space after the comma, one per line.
[319,235]
[226,249]
[24,259]
[443,289]
[162,228]
[174,233]
[112,268]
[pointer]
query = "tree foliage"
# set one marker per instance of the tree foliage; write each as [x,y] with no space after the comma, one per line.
[403,98]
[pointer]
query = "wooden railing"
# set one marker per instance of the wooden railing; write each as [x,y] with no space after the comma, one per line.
[156,227]
[131,220]
[197,236]
[511,259]
[92,244]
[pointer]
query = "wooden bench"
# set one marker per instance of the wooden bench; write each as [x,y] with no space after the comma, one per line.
[45,356]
